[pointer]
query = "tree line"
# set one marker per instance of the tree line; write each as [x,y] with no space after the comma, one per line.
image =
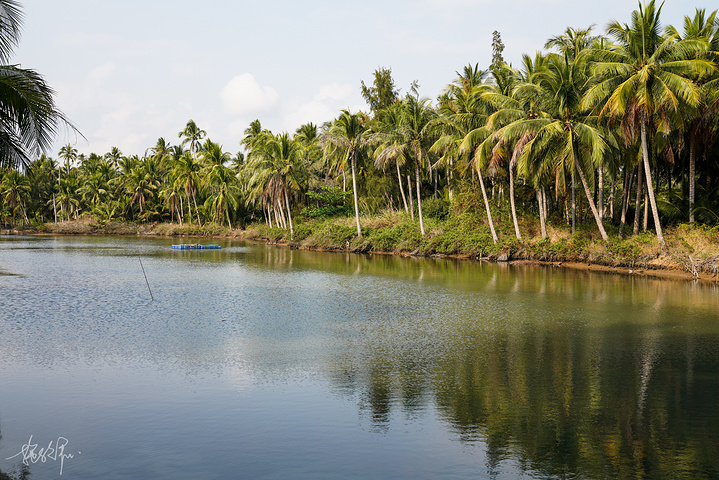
[615,129]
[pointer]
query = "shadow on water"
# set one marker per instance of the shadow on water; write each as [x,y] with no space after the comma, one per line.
[20,472]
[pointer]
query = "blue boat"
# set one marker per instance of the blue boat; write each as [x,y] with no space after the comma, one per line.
[196,246]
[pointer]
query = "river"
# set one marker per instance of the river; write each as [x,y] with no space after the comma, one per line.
[121,358]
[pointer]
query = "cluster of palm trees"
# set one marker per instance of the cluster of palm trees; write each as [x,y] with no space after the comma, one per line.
[627,118]
[165,183]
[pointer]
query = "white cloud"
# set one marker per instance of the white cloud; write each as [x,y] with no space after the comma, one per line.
[243,95]
[101,73]
[324,105]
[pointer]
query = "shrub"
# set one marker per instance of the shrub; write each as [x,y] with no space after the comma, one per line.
[436,208]
[329,202]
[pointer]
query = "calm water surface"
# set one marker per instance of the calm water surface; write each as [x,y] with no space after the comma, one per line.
[256,362]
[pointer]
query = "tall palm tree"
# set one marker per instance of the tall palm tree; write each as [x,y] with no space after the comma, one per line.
[515,98]
[563,135]
[413,138]
[463,115]
[384,126]
[114,156]
[29,117]
[192,134]
[224,196]
[647,77]
[15,189]
[345,142]
[705,28]
[212,155]
[69,154]
[186,173]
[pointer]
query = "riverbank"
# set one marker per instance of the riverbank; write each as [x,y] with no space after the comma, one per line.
[693,252]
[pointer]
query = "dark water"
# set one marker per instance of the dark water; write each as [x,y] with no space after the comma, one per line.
[256,362]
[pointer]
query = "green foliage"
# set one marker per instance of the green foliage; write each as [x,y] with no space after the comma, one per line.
[436,208]
[395,238]
[275,234]
[624,251]
[330,202]
[497,49]
[302,231]
[382,93]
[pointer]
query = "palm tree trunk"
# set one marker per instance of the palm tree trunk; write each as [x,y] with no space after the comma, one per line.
[646,215]
[600,191]
[486,206]
[54,207]
[511,201]
[542,212]
[626,192]
[354,192]
[411,201]
[24,214]
[638,200]
[189,206]
[650,188]
[692,174]
[419,198]
[401,188]
[289,212]
[590,199]
[197,212]
[574,204]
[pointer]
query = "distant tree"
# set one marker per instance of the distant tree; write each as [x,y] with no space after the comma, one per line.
[497,49]
[382,93]
[193,134]
[69,154]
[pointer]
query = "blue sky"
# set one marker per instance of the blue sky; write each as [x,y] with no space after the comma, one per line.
[127,72]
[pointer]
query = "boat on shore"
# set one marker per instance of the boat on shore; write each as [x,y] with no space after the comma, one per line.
[196,246]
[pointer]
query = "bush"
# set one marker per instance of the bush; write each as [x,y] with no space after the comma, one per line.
[329,202]
[436,208]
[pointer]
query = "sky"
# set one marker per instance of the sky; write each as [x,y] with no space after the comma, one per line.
[128,72]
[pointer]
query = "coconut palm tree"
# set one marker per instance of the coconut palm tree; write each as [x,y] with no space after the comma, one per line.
[29,117]
[412,139]
[345,142]
[705,28]
[93,189]
[212,155]
[647,78]
[69,154]
[384,126]
[463,115]
[563,136]
[276,171]
[224,196]
[15,189]
[515,98]
[186,173]
[114,156]
[193,134]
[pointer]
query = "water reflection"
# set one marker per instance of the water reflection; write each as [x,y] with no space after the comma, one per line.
[544,372]
[606,402]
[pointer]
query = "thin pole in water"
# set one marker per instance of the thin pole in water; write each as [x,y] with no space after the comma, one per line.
[148,283]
